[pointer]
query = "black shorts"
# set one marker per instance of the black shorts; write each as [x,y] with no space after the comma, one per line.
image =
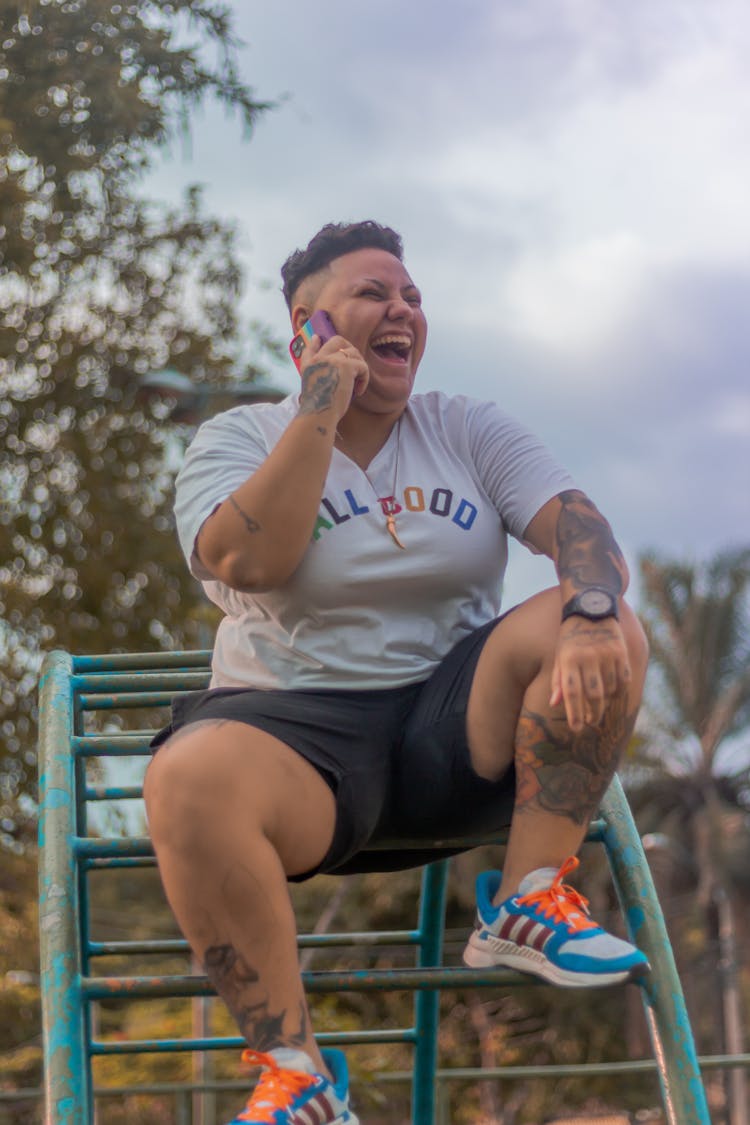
[397,760]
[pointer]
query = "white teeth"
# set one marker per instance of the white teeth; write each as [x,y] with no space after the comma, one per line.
[402,341]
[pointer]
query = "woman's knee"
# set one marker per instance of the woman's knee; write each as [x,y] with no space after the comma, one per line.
[220,786]
[188,788]
[523,646]
[636,642]
[524,641]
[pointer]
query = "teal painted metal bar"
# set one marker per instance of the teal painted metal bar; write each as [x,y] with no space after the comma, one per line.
[66,1063]
[354,980]
[84,919]
[671,1035]
[126,699]
[137,661]
[123,861]
[236,1043]
[365,939]
[427,1002]
[113,793]
[112,745]
[177,683]
[91,847]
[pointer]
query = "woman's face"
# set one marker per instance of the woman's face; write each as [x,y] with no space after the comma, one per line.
[376,306]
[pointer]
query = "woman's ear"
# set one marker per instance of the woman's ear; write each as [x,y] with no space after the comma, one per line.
[300,315]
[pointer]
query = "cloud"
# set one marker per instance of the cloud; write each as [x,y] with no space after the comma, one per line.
[579,298]
[571,178]
[731,415]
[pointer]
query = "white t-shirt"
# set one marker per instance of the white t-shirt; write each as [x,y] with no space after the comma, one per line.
[358,612]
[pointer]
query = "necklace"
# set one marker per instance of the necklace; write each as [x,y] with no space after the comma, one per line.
[387,503]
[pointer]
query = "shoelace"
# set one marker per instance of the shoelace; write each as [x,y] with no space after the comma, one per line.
[561,902]
[276,1087]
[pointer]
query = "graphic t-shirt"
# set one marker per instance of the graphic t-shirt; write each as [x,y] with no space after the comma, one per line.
[358,612]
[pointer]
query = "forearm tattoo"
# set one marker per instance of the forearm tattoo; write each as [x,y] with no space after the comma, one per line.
[251,524]
[587,554]
[319,384]
[567,773]
[240,988]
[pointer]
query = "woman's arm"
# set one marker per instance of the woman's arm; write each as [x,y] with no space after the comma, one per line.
[592,663]
[256,538]
[571,531]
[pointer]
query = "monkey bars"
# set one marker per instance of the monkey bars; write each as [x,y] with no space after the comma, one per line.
[73,688]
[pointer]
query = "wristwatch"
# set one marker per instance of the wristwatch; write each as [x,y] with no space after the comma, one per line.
[594,603]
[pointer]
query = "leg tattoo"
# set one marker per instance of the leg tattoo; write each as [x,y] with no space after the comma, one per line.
[565,773]
[239,986]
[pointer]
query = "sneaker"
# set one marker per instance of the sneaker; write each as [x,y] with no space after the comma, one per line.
[545,930]
[290,1092]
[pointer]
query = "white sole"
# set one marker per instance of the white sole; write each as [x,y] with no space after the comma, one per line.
[507,955]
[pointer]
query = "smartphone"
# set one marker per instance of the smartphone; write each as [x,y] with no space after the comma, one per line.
[319,324]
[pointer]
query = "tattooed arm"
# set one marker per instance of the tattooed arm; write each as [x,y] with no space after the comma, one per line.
[256,539]
[586,553]
[592,665]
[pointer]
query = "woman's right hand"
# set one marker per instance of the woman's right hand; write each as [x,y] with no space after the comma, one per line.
[333,373]
[257,537]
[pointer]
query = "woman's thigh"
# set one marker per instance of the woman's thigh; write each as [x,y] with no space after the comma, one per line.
[347,738]
[216,782]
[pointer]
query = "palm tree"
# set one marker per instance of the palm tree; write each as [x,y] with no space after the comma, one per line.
[698,622]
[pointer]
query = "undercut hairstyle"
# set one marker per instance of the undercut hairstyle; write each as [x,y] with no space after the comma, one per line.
[334,240]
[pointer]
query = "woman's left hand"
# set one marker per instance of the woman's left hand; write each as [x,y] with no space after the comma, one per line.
[591,668]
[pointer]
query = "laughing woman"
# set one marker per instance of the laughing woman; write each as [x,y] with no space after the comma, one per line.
[365,685]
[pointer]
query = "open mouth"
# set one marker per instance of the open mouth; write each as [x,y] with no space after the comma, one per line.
[394,348]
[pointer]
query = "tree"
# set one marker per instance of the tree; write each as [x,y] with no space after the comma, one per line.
[98,286]
[20,1048]
[698,621]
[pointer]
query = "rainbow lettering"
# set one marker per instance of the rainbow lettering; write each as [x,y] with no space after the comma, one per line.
[441,502]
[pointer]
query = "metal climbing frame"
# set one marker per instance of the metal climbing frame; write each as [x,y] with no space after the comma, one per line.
[74,686]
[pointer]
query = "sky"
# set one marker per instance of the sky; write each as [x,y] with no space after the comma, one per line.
[572,182]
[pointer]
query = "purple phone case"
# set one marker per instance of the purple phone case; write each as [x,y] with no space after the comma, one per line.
[319,324]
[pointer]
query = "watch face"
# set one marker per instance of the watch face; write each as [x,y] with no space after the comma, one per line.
[595,601]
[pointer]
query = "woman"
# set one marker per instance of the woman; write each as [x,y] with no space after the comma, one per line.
[355,536]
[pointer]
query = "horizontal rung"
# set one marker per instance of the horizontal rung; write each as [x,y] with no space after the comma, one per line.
[304,941]
[121,661]
[357,980]
[141,682]
[235,1043]
[112,745]
[114,792]
[123,699]
[133,948]
[118,862]
[94,846]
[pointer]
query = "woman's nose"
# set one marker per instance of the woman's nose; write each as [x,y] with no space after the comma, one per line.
[399,309]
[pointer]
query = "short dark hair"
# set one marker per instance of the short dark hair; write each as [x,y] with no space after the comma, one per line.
[331,242]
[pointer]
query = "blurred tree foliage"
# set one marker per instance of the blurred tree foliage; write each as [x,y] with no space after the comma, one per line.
[98,286]
[20,1038]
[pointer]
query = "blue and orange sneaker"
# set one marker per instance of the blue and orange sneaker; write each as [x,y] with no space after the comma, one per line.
[545,930]
[290,1092]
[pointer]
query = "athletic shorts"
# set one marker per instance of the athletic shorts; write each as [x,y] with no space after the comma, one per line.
[397,759]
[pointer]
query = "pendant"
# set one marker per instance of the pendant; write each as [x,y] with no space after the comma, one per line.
[390,523]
